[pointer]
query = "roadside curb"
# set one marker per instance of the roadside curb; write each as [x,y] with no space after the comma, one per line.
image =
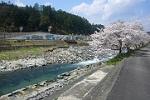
[102,90]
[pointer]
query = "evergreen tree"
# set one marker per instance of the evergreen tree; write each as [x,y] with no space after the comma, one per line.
[39,18]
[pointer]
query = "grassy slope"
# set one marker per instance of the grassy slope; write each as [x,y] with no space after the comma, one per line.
[119,58]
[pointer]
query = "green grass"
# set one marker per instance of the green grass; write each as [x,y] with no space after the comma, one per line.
[20,53]
[16,49]
[24,43]
[56,99]
[119,58]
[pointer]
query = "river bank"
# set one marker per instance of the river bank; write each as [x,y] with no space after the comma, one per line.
[57,56]
[69,55]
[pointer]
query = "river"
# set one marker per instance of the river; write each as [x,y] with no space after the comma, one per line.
[11,81]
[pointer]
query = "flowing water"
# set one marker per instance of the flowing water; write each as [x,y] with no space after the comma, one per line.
[10,81]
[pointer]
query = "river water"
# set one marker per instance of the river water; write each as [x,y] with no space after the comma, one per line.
[11,81]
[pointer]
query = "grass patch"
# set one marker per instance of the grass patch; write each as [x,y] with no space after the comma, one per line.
[17,49]
[15,44]
[20,53]
[119,58]
[24,43]
[25,52]
[56,99]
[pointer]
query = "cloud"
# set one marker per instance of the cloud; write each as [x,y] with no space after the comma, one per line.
[19,3]
[103,9]
[48,3]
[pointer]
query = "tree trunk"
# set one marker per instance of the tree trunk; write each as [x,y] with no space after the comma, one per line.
[120,46]
[120,50]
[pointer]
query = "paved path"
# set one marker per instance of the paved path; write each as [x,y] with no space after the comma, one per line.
[133,82]
[82,88]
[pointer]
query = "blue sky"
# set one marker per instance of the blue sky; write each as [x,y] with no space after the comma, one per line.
[100,11]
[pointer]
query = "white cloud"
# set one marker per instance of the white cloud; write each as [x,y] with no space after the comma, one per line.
[48,3]
[104,9]
[19,3]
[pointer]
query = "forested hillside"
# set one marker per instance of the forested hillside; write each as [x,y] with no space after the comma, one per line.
[39,18]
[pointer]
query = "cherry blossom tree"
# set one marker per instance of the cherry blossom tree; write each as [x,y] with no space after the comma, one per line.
[120,35]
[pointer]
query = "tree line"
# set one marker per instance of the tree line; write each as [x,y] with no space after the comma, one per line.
[40,17]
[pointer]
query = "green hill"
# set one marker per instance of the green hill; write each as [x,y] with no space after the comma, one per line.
[40,17]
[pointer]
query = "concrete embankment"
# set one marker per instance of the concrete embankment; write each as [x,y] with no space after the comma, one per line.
[94,87]
[102,89]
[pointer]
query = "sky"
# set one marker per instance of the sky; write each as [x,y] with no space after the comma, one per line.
[100,11]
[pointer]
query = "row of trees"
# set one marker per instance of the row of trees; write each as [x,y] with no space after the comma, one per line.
[120,36]
[39,18]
